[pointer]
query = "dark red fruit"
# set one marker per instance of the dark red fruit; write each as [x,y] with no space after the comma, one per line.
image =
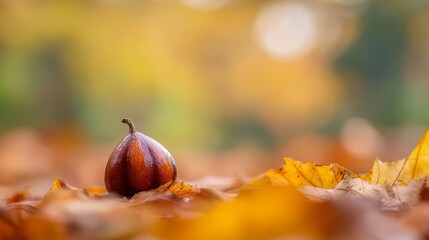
[138,163]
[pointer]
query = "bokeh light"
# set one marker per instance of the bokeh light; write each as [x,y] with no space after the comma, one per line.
[286,29]
[361,139]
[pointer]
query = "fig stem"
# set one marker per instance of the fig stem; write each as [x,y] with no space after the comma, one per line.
[130,124]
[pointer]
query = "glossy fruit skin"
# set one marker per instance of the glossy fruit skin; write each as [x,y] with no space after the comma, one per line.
[138,163]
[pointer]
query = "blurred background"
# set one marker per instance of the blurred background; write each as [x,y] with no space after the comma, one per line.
[228,86]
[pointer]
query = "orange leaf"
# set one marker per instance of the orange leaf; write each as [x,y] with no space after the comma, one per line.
[95,190]
[58,184]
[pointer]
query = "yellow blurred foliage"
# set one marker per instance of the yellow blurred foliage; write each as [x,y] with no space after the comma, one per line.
[162,62]
[267,213]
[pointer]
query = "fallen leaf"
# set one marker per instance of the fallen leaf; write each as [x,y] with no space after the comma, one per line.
[424,194]
[179,188]
[299,174]
[363,220]
[40,227]
[414,167]
[387,198]
[417,219]
[7,231]
[18,197]
[95,191]
[310,202]
[58,184]
[219,183]
[8,228]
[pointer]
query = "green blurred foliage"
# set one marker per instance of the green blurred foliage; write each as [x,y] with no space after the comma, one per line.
[197,78]
[387,94]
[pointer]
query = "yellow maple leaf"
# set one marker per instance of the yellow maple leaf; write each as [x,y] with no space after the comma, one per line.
[299,174]
[414,167]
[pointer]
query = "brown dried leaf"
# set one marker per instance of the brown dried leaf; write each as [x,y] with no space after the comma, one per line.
[396,198]
[18,197]
[417,219]
[179,189]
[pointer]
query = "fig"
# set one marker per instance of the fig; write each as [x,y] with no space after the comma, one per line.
[137,164]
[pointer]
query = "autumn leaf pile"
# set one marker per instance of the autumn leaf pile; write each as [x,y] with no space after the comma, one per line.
[298,201]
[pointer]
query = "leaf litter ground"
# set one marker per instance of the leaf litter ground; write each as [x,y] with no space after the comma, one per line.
[298,201]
